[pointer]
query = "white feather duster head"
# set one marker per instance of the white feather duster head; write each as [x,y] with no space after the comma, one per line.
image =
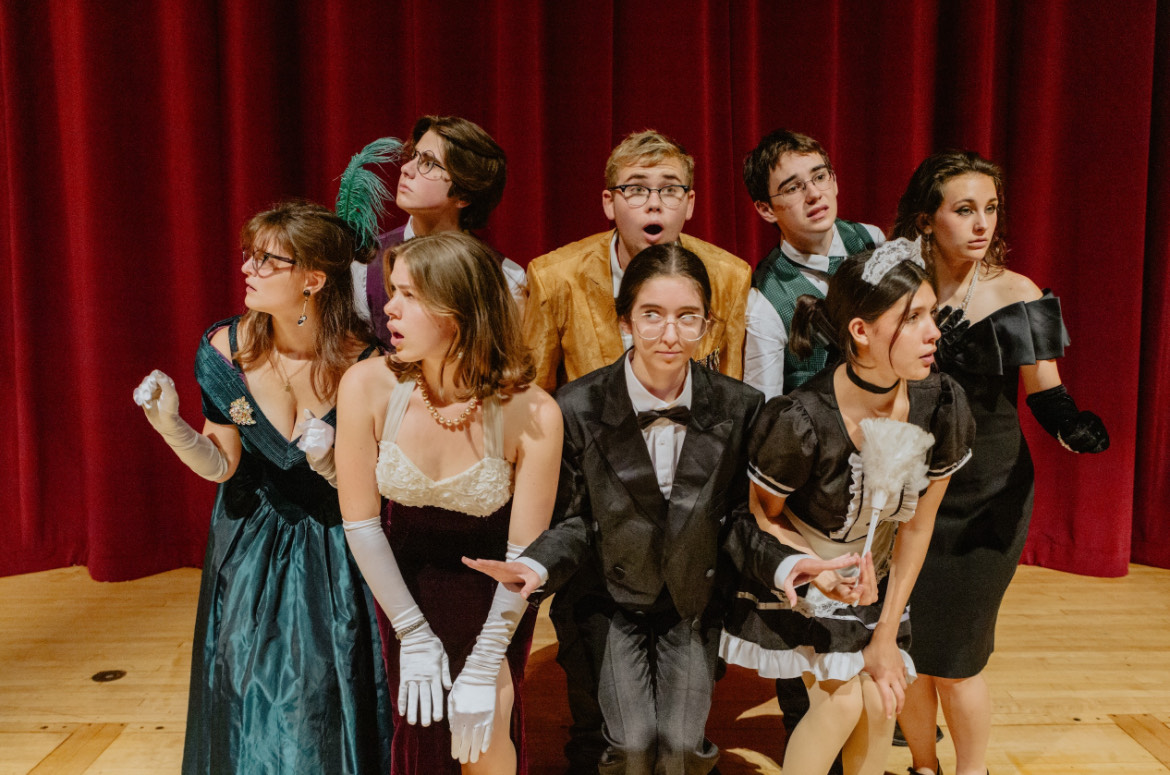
[892,457]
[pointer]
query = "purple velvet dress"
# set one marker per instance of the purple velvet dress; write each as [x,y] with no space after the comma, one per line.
[445,521]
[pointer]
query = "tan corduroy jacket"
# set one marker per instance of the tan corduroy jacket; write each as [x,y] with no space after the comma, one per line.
[571,324]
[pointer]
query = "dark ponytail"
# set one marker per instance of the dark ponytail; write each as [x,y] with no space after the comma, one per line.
[826,321]
[810,327]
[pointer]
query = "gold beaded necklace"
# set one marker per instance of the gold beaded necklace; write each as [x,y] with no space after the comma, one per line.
[440,419]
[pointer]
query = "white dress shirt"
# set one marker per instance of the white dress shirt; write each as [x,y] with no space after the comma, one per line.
[664,438]
[615,269]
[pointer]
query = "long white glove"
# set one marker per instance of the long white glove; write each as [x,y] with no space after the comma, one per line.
[316,442]
[471,705]
[157,396]
[423,673]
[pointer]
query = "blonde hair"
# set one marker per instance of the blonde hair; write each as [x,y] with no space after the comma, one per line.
[456,276]
[647,149]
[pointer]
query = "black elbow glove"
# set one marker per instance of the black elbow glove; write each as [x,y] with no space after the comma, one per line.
[1057,413]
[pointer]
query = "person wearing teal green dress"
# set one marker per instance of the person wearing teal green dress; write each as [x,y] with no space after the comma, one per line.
[286,670]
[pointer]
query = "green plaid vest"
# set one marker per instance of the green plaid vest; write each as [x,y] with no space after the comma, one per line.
[781,283]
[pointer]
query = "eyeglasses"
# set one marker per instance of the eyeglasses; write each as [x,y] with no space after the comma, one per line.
[426,164]
[651,326]
[259,259]
[796,188]
[635,195]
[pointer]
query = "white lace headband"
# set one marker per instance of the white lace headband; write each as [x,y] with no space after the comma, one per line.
[890,255]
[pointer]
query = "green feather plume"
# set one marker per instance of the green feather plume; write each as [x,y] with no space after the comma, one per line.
[362,195]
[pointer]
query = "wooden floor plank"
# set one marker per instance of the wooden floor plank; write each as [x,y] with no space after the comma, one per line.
[21,751]
[78,751]
[1152,734]
[142,751]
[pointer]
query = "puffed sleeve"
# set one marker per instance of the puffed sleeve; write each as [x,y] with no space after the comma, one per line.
[953,429]
[783,446]
[1049,335]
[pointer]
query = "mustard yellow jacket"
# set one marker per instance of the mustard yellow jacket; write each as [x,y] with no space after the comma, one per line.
[571,324]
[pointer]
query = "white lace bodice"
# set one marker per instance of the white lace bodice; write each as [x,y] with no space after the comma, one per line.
[480,490]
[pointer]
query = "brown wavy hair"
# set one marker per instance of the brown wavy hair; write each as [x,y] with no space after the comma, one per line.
[924,195]
[316,239]
[476,164]
[456,276]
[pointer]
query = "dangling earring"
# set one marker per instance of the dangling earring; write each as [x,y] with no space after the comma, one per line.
[928,248]
[304,308]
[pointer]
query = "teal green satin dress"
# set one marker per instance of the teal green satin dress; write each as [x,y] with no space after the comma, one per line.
[286,670]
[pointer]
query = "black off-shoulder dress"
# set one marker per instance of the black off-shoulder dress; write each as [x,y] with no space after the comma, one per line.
[983,521]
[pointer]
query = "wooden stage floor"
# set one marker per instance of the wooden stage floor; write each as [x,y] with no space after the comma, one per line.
[1080,683]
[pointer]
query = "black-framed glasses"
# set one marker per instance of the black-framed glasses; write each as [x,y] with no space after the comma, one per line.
[637,195]
[652,325]
[260,259]
[793,189]
[426,164]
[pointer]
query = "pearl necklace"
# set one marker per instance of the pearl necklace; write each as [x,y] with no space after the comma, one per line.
[971,287]
[440,419]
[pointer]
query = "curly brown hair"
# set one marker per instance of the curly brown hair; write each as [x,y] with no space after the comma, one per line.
[924,195]
[477,165]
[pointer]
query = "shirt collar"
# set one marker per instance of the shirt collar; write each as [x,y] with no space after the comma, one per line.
[408,232]
[645,401]
[812,260]
[615,267]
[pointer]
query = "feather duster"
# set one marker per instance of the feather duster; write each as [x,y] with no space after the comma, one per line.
[362,194]
[892,457]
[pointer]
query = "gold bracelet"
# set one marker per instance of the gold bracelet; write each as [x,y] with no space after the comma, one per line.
[400,634]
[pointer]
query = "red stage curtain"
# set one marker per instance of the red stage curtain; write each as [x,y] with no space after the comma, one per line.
[137,137]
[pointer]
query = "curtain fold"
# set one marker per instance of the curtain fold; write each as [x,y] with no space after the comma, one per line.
[138,137]
[1151,529]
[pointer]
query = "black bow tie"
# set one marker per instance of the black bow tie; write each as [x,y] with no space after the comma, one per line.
[677,414]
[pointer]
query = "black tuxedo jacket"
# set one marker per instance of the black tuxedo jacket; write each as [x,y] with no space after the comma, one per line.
[610,510]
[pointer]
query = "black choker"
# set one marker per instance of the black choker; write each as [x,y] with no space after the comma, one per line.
[868,387]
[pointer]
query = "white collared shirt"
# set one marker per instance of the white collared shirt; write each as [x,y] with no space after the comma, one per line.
[664,438]
[615,269]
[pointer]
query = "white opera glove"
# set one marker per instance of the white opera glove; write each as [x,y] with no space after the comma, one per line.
[316,442]
[423,673]
[471,705]
[160,401]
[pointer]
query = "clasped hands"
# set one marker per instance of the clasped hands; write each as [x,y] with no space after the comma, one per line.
[860,589]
